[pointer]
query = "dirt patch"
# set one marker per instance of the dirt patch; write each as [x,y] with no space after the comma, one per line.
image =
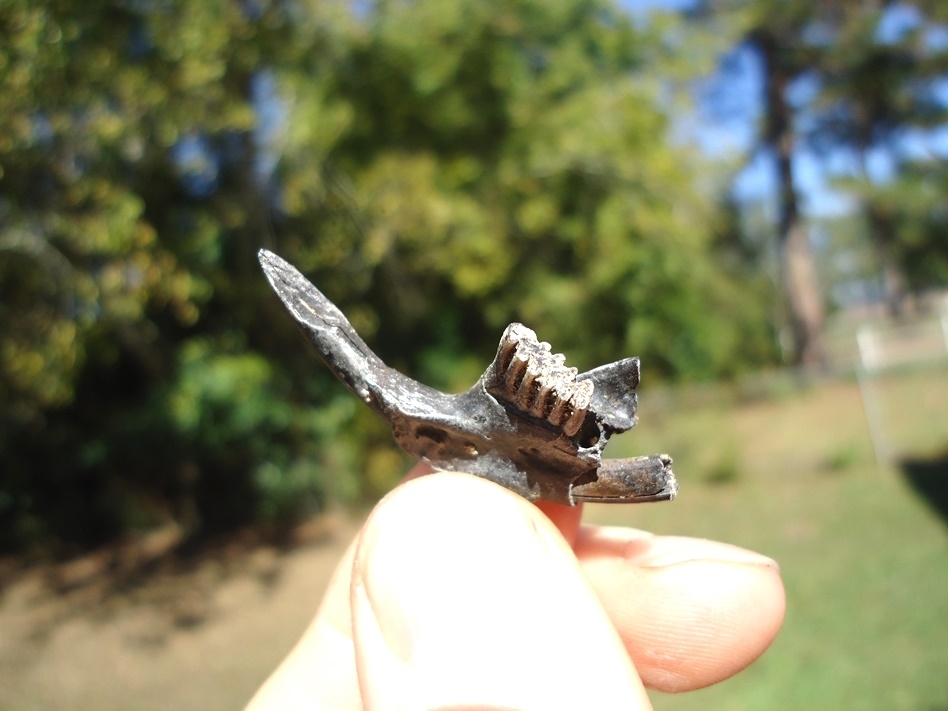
[153,625]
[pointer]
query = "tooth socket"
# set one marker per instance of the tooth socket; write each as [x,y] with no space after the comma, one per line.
[536,382]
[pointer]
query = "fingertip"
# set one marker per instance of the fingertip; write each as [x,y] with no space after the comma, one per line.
[690,612]
[420,469]
[567,519]
[465,595]
[726,616]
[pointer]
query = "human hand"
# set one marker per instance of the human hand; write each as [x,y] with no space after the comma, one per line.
[459,595]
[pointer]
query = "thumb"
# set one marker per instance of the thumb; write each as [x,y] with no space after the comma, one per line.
[466,596]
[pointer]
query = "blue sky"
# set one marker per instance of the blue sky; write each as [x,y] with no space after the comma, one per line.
[733,129]
[727,124]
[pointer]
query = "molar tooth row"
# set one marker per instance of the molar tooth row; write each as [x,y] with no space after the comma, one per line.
[538,382]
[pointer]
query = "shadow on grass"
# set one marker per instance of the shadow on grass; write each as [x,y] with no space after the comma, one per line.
[929,478]
[161,572]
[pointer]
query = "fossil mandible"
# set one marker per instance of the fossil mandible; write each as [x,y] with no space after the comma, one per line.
[530,423]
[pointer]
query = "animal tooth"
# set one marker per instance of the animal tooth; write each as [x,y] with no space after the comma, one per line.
[516,372]
[580,403]
[526,393]
[544,401]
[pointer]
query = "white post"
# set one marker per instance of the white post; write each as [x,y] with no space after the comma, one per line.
[866,340]
[944,329]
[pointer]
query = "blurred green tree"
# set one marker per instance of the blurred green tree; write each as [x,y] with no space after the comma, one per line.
[503,161]
[777,32]
[853,82]
[126,203]
[438,168]
[883,70]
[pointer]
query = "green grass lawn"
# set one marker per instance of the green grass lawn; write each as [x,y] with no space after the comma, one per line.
[863,555]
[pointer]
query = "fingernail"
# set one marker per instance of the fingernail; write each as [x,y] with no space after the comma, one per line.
[675,551]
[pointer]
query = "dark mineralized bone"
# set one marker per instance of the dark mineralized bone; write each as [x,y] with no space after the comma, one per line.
[530,423]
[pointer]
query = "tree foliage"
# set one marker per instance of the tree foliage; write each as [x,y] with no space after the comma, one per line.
[856,84]
[438,168]
[777,33]
[883,72]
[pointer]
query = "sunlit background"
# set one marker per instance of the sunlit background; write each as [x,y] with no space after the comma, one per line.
[750,195]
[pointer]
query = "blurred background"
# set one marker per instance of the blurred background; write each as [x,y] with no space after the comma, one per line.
[751,195]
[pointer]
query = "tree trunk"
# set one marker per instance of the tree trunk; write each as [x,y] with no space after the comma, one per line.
[881,231]
[798,268]
[893,284]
